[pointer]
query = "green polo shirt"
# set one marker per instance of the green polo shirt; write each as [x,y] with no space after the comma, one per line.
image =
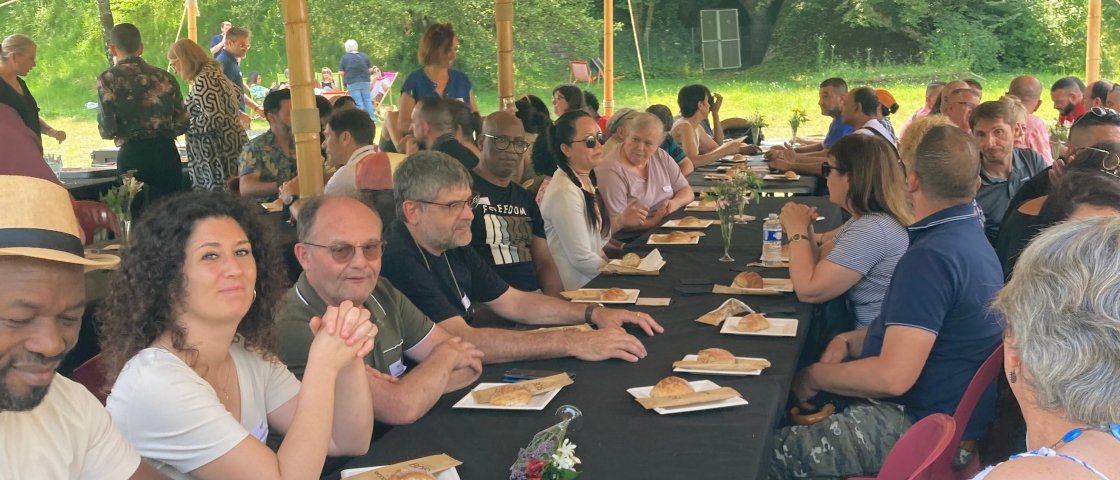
[400,326]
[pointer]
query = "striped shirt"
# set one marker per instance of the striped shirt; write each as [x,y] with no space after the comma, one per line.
[870,245]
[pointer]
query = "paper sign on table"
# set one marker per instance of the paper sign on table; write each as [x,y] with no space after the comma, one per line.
[653,302]
[431,463]
[739,365]
[706,396]
[535,386]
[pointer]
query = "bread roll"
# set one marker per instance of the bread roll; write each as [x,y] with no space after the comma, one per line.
[689,221]
[738,156]
[748,280]
[631,260]
[715,355]
[670,386]
[614,295]
[507,395]
[792,175]
[412,475]
[678,237]
[754,322]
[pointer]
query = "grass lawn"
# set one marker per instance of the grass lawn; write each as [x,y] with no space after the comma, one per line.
[768,93]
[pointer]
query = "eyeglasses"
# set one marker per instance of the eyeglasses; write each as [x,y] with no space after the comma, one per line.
[457,206]
[590,140]
[503,143]
[1111,163]
[342,252]
[827,169]
[1103,112]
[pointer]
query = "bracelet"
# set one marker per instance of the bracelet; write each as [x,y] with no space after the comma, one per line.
[587,312]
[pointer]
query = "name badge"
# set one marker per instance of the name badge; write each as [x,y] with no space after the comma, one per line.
[466,303]
[667,189]
[397,368]
[261,431]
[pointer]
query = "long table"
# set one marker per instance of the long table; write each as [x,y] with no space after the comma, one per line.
[805,185]
[619,439]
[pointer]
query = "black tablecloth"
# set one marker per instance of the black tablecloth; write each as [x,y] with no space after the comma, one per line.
[619,439]
[806,185]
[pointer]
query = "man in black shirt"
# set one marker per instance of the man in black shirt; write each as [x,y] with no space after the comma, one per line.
[428,259]
[434,129]
[508,228]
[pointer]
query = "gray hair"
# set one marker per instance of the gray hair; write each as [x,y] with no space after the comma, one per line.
[351,46]
[423,174]
[618,120]
[15,43]
[639,121]
[1063,315]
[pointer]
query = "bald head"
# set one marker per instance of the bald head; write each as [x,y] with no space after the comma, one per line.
[950,87]
[503,143]
[947,163]
[500,120]
[1029,91]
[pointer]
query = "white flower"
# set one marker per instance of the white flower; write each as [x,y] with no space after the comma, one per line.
[565,456]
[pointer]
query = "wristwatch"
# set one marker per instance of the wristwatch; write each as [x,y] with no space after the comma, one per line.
[797,236]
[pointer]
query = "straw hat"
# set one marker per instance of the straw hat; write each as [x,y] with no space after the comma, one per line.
[39,222]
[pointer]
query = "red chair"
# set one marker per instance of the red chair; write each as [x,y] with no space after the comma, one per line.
[984,377]
[94,216]
[913,456]
[92,376]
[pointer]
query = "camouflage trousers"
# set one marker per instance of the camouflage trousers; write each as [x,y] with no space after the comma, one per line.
[854,441]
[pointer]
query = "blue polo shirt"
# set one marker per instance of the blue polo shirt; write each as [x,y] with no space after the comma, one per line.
[232,69]
[944,284]
[836,130]
[419,86]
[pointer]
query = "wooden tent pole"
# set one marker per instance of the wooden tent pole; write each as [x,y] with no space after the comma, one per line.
[503,15]
[1093,43]
[608,57]
[192,20]
[305,117]
[638,50]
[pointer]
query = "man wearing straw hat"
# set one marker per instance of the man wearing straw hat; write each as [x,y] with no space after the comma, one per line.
[49,424]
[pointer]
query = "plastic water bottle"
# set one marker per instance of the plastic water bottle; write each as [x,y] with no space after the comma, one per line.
[772,241]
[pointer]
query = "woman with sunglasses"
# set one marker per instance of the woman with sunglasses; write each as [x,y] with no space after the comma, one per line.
[640,171]
[188,344]
[856,260]
[576,221]
[1090,180]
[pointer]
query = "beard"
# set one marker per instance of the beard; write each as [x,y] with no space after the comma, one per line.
[1068,110]
[21,403]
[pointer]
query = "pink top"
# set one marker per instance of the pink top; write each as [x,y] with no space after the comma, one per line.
[1037,137]
[23,153]
[922,112]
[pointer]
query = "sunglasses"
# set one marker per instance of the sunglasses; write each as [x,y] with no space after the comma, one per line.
[343,252]
[590,140]
[503,143]
[1111,163]
[827,169]
[1103,112]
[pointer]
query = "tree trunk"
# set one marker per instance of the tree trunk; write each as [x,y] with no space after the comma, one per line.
[647,28]
[106,26]
[762,15]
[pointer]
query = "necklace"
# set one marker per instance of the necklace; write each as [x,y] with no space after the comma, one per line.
[221,388]
[1072,435]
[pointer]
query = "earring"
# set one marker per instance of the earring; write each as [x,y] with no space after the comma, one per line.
[1011,377]
[254,294]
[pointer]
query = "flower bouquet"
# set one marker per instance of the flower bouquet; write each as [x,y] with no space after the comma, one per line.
[550,456]
[119,199]
[757,123]
[726,195]
[749,185]
[1059,135]
[799,116]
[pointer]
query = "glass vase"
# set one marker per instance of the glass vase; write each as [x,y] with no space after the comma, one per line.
[725,223]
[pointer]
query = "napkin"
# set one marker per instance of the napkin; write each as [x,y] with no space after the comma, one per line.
[729,308]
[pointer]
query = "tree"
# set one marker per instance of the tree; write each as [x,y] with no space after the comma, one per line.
[763,14]
[106,12]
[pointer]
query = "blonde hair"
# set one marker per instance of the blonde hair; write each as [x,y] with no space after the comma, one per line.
[191,58]
[908,146]
[15,43]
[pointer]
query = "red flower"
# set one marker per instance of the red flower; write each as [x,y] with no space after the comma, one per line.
[534,468]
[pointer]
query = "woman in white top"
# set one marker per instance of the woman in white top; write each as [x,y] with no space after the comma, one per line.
[575,218]
[188,338]
[1060,355]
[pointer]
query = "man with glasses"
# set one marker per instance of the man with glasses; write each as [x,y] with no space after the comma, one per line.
[959,106]
[433,127]
[233,52]
[430,260]
[1004,168]
[508,228]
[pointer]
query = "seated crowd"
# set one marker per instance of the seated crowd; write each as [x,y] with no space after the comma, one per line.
[412,269]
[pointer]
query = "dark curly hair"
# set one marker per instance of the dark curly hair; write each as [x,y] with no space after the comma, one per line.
[148,289]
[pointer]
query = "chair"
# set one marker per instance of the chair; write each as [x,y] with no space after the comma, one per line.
[94,216]
[92,376]
[914,454]
[580,71]
[983,378]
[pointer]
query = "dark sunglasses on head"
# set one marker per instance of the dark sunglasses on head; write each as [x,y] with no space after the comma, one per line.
[343,252]
[590,140]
